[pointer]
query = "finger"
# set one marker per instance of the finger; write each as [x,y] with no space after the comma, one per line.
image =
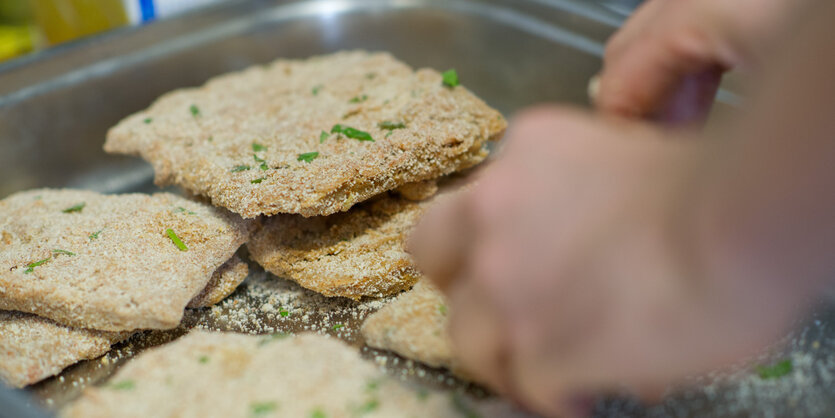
[644,17]
[641,80]
[440,241]
[476,330]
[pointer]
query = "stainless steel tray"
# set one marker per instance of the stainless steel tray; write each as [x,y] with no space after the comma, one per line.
[55,108]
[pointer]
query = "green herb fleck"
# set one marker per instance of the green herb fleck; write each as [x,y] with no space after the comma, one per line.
[372,385]
[323,136]
[450,78]
[263,166]
[195,111]
[338,326]
[258,147]
[351,132]
[176,240]
[387,124]
[318,413]
[262,408]
[776,370]
[64,252]
[258,180]
[371,76]
[31,266]
[463,407]
[422,394]
[123,385]
[316,89]
[181,209]
[148,120]
[75,208]
[211,138]
[442,309]
[272,337]
[203,359]
[308,156]
[369,406]
[388,134]
[283,312]
[95,235]
[239,168]
[358,99]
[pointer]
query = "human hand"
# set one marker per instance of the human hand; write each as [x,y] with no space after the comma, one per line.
[667,60]
[574,266]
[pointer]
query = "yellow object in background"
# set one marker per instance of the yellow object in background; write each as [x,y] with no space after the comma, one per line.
[15,40]
[17,32]
[65,20]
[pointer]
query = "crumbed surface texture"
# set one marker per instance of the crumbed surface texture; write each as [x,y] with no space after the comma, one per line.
[106,262]
[246,139]
[418,190]
[414,325]
[224,281]
[207,374]
[34,348]
[353,254]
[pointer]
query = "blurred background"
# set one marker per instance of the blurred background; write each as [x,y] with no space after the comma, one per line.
[31,25]
[28,26]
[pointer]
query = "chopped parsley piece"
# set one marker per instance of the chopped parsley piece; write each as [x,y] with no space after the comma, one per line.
[239,168]
[462,407]
[308,156]
[75,208]
[211,138]
[148,120]
[371,76]
[262,408]
[203,359]
[273,337]
[258,147]
[422,394]
[31,266]
[351,132]
[369,406]
[176,240]
[64,252]
[338,326]
[442,309]
[258,180]
[387,124]
[123,385]
[263,166]
[358,99]
[774,371]
[195,111]
[323,136]
[450,78]
[318,413]
[283,312]
[372,385]
[181,209]
[389,134]
[95,235]
[316,89]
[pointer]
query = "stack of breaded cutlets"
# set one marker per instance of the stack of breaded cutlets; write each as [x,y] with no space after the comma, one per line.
[321,166]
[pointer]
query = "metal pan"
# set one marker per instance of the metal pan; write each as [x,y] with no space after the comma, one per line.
[55,108]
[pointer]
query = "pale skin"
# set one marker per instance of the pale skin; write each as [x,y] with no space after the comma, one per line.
[605,253]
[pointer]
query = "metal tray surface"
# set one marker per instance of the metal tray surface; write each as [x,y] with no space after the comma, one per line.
[56,106]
